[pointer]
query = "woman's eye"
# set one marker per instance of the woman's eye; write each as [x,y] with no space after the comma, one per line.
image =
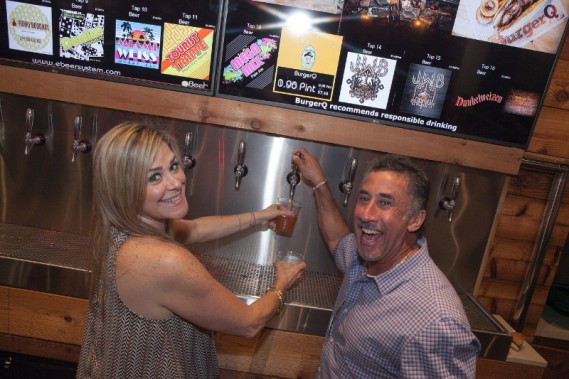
[154,177]
[175,166]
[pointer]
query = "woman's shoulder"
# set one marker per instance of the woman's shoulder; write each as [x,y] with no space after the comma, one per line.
[143,250]
[143,244]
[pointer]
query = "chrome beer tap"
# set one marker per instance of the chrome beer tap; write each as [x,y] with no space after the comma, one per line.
[240,169]
[448,203]
[189,161]
[83,145]
[293,178]
[37,139]
[347,185]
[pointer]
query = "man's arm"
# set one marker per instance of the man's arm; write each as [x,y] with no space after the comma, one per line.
[330,221]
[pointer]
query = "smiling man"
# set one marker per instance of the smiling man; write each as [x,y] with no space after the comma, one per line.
[396,314]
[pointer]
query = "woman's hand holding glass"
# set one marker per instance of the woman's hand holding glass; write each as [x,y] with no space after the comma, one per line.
[287,274]
[267,217]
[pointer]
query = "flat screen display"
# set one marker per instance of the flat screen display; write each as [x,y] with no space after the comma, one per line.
[169,44]
[475,69]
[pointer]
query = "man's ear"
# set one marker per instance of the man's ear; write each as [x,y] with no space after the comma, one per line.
[416,221]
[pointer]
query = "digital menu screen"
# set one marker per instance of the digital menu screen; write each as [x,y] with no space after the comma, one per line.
[167,44]
[475,69]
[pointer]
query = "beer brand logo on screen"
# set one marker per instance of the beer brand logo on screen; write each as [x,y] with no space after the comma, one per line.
[249,61]
[478,99]
[29,27]
[187,51]
[365,82]
[81,35]
[137,44]
[425,90]
[308,57]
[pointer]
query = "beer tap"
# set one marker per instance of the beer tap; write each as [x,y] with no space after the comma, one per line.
[189,161]
[83,145]
[240,169]
[448,203]
[37,139]
[293,179]
[346,185]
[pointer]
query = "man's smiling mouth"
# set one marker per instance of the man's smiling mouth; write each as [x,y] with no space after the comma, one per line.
[370,235]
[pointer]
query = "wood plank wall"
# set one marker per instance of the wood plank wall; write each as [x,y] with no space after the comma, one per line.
[522,212]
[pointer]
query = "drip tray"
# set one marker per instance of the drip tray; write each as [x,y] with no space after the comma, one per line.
[307,306]
[55,262]
[494,339]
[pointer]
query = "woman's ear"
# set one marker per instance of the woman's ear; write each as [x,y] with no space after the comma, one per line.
[416,221]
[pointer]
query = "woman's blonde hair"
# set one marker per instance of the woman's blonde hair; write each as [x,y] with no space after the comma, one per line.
[121,161]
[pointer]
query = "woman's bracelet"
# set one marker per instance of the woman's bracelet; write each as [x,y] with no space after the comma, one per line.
[252,220]
[319,184]
[279,294]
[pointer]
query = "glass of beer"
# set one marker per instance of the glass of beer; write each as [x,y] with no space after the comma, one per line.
[285,224]
[289,257]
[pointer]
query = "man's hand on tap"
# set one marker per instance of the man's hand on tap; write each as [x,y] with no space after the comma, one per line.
[308,167]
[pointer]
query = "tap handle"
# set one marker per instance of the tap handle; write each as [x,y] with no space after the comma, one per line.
[29,120]
[78,122]
[77,129]
[448,203]
[353,168]
[241,152]
[83,146]
[240,169]
[455,187]
[293,178]
[189,161]
[347,185]
[37,139]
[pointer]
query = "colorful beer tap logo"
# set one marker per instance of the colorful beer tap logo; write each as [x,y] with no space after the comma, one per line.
[248,63]
[308,57]
[30,27]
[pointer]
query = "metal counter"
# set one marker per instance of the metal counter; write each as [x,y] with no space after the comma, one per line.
[56,262]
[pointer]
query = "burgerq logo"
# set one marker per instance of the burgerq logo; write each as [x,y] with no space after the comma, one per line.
[29,27]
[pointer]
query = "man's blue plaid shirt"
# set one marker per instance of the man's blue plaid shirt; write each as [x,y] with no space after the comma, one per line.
[405,323]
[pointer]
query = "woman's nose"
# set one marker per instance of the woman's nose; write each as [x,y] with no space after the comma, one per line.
[177,179]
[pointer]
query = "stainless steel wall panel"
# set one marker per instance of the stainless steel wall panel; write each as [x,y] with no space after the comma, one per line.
[47,198]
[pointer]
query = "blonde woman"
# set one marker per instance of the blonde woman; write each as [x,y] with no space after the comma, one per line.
[153,306]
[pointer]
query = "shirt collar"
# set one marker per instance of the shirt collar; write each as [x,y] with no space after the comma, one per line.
[389,280]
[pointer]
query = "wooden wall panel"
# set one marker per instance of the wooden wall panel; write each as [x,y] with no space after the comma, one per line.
[4,310]
[558,91]
[519,224]
[550,133]
[272,352]
[520,218]
[47,316]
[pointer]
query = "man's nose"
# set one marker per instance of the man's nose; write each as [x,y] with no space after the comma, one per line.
[369,211]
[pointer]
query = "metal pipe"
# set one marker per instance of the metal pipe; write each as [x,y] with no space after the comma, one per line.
[540,248]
